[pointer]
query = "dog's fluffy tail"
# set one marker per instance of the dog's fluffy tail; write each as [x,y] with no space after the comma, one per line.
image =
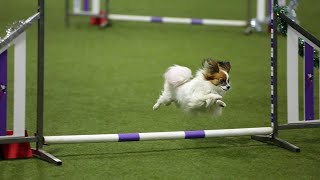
[177,75]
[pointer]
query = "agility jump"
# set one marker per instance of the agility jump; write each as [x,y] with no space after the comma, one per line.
[92,8]
[265,134]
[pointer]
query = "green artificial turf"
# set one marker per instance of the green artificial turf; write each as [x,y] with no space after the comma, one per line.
[106,81]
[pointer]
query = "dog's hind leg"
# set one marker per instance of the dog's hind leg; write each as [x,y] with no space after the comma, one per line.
[217,111]
[165,98]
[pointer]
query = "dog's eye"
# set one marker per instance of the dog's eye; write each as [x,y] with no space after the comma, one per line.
[221,80]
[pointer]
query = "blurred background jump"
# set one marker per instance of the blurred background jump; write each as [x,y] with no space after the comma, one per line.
[100,15]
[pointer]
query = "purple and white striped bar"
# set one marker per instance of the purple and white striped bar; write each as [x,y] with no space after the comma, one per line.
[272,77]
[99,138]
[178,20]
[308,82]
[3,95]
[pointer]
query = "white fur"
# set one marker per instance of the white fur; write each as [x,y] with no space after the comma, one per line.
[177,75]
[192,95]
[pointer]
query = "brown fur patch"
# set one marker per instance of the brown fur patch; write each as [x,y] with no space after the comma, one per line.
[212,71]
[216,78]
[210,66]
[225,65]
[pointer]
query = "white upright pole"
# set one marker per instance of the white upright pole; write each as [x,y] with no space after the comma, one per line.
[19,101]
[95,7]
[282,2]
[292,76]
[76,6]
[261,10]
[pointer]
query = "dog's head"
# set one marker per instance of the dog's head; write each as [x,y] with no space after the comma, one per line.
[217,72]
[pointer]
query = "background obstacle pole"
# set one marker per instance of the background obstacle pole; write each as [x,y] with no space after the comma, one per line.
[177,20]
[95,8]
[156,135]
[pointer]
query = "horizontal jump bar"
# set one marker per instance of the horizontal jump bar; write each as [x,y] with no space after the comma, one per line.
[4,43]
[156,19]
[11,140]
[97,138]
[84,13]
[299,125]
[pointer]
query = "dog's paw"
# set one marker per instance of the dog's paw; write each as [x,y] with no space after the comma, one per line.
[218,97]
[213,99]
[208,102]
[221,103]
[156,106]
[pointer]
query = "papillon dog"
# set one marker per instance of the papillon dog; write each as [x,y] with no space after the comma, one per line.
[203,93]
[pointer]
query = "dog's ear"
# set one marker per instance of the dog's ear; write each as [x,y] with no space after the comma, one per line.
[210,65]
[225,65]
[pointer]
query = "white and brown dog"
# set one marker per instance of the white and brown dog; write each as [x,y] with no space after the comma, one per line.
[203,93]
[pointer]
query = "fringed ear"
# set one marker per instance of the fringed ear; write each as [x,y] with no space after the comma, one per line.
[225,65]
[210,65]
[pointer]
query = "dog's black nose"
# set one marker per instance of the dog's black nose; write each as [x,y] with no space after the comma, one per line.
[228,87]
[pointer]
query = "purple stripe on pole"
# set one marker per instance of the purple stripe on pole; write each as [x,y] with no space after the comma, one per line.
[308,85]
[3,95]
[156,19]
[86,5]
[129,137]
[194,134]
[196,21]
[269,7]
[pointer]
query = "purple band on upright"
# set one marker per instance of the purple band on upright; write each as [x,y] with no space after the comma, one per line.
[196,21]
[194,134]
[129,137]
[3,95]
[86,5]
[309,80]
[156,19]
[269,7]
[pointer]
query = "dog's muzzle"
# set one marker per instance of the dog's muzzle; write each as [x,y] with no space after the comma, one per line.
[226,88]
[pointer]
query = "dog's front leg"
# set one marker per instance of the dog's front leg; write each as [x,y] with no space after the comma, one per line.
[218,102]
[214,99]
[221,103]
[206,100]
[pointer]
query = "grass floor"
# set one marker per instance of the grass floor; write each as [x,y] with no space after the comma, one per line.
[106,81]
